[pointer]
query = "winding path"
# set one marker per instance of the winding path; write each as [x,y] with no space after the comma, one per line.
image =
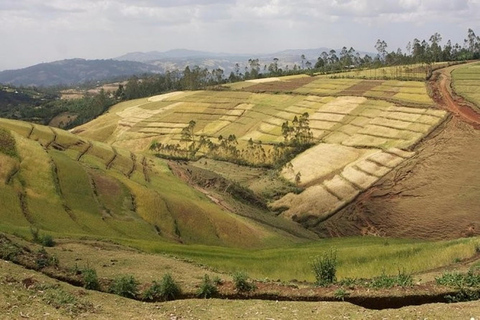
[443,96]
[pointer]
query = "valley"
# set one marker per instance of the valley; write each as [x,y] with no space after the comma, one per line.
[216,182]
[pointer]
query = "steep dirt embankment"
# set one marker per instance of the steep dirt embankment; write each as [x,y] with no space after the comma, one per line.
[433,195]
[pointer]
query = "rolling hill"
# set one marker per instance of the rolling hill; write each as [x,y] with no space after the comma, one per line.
[70,186]
[362,129]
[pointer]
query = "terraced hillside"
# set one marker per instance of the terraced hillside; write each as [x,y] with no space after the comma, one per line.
[362,129]
[69,186]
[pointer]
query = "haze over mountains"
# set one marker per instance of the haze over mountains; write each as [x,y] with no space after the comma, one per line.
[77,71]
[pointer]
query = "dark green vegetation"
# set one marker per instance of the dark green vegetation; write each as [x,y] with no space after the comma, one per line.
[298,137]
[125,286]
[325,268]
[42,105]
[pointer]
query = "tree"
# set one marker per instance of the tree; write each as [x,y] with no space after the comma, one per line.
[188,135]
[254,68]
[435,49]
[303,60]
[381,47]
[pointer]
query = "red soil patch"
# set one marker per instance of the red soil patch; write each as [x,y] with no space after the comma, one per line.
[281,86]
[361,88]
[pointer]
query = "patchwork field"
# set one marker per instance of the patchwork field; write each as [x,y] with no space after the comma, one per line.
[360,128]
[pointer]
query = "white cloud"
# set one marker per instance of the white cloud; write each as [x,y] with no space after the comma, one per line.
[42,30]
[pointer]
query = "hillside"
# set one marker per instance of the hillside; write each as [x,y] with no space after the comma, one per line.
[73,72]
[69,186]
[363,131]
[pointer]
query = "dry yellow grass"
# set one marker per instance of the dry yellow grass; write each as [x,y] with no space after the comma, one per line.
[320,161]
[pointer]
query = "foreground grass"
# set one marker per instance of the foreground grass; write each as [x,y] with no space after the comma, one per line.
[47,299]
[364,257]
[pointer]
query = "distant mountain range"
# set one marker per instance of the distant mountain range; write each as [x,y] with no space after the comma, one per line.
[73,72]
[77,71]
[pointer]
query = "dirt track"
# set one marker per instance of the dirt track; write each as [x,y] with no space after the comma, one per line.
[433,195]
[446,98]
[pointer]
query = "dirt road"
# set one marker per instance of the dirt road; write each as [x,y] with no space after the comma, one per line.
[443,95]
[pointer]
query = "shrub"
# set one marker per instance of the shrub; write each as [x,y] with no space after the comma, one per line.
[125,286]
[348,282]
[240,280]
[60,299]
[43,259]
[459,280]
[341,294]
[47,241]
[44,240]
[207,288]
[167,289]
[325,268]
[403,279]
[90,279]
[9,251]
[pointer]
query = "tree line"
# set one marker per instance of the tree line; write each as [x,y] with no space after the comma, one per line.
[297,138]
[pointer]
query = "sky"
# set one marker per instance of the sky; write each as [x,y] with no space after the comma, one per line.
[36,31]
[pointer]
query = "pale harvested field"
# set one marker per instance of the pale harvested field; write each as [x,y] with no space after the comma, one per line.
[321,161]
[325,194]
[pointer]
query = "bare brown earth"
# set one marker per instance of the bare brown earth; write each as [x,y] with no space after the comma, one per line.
[281,86]
[433,195]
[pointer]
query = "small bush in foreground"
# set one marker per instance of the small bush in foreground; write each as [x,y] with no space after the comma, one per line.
[90,279]
[45,240]
[43,259]
[240,280]
[125,286]
[167,289]
[325,268]
[207,288]
[341,294]
[60,299]
[403,279]
[459,280]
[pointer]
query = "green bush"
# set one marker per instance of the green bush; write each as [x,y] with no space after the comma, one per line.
[44,240]
[167,289]
[125,286]
[325,268]
[459,280]
[207,288]
[240,280]
[403,279]
[43,259]
[9,251]
[341,294]
[7,143]
[90,279]
[47,241]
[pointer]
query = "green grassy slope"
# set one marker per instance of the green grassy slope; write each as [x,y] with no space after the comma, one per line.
[69,186]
